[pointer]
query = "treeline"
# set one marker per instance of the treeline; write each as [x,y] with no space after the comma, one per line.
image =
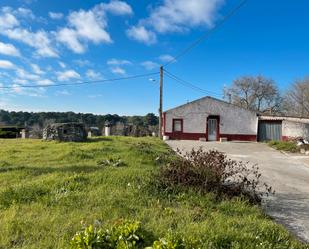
[262,94]
[41,119]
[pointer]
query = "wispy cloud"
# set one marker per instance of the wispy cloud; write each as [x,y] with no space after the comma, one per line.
[8,49]
[36,69]
[94,96]
[118,62]
[61,64]
[82,63]
[93,75]
[4,64]
[45,82]
[55,15]
[67,75]
[22,74]
[62,93]
[141,34]
[166,58]
[150,65]
[118,70]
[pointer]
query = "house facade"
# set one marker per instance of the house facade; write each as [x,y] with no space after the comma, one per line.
[211,119]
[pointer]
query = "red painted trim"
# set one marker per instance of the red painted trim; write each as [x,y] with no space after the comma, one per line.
[240,137]
[218,125]
[197,136]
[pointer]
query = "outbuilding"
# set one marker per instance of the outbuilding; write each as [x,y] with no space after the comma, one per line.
[282,128]
[212,119]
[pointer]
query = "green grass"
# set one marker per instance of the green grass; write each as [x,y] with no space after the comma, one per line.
[288,146]
[48,189]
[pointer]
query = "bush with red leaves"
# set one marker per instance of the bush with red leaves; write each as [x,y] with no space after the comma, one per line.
[212,171]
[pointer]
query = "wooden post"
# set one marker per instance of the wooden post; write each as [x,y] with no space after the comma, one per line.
[161,102]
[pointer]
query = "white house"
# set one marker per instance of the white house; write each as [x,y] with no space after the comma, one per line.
[211,119]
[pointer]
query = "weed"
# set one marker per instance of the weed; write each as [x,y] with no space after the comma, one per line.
[212,171]
[288,146]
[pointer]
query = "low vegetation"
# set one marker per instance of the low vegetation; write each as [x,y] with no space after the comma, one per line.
[68,195]
[211,171]
[288,146]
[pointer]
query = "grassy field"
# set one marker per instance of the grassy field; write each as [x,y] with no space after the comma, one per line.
[49,189]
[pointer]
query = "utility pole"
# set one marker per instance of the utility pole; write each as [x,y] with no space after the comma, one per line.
[161,102]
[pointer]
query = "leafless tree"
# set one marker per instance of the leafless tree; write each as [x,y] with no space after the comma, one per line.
[255,93]
[296,99]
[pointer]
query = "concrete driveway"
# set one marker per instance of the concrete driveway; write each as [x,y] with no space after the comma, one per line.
[288,174]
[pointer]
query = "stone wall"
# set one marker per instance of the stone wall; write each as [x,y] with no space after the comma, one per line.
[67,132]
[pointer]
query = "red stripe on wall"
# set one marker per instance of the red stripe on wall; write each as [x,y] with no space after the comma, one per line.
[197,136]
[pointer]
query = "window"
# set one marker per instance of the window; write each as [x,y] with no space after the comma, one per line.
[177,125]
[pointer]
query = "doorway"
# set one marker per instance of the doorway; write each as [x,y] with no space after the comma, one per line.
[212,128]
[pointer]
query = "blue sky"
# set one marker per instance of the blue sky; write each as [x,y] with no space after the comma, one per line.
[49,42]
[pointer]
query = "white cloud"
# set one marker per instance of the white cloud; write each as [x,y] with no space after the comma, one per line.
[93,96]
[118,70]
[118,62]
[39,40]
[82,63]
[22,74]
[90,25]
[141,34]
[67,75]
[7,21]
[29,1]
[20,81]
[180,15]
[70,39]
[55,15]
[32,92]
[166,58]
[117,7]
[8,49]
[10,27]
[25,13]
[45,82]
[150,65]
[36,69]
[63,92]
[61,64]
[93,75]
[6,64]
[175,16]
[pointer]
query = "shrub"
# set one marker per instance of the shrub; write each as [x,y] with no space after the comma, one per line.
[289,146]
[8,134]
[122,235]
[212,171]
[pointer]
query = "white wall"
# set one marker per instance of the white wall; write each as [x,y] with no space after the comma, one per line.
[233,120]
[295,129]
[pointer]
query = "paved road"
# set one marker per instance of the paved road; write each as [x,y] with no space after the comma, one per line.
[288,174]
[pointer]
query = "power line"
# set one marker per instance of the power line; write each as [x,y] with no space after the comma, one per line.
[79,83]
[190,85]
[208,33]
